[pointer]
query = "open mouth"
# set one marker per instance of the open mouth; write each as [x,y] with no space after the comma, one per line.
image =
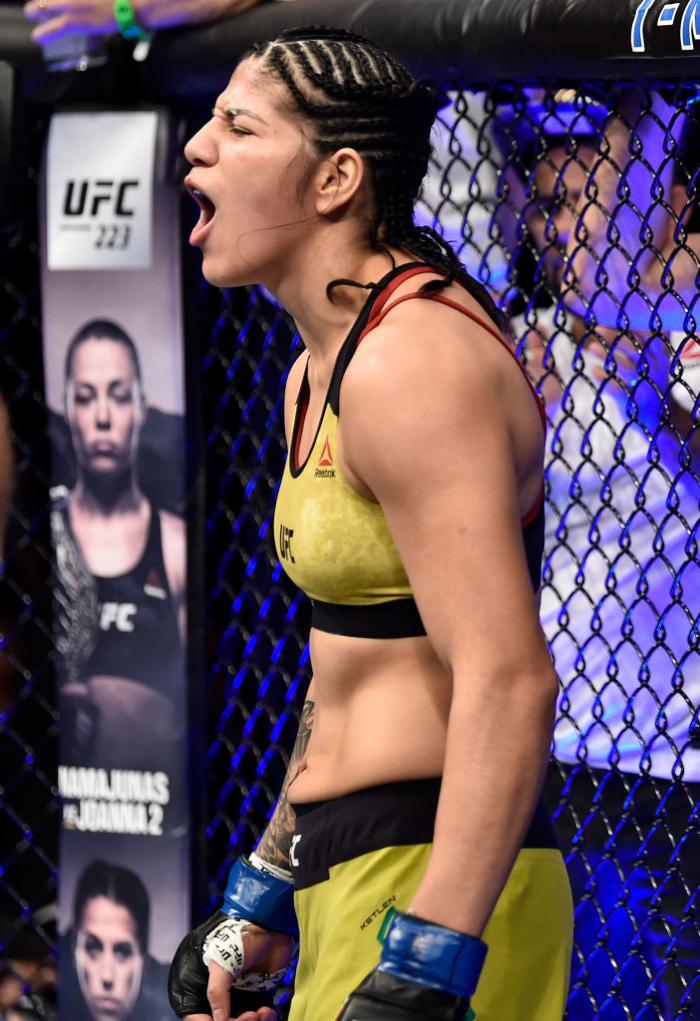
[207,212]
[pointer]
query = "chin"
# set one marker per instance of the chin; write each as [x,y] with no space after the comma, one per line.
[220,280]
[228,276]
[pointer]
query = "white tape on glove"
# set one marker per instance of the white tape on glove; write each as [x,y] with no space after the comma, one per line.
[224,945]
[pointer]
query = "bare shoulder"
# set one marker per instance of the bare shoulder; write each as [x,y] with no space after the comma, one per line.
[173,527]
[174,537]
[426,346]
[430,378]
[174,540]
[296,374]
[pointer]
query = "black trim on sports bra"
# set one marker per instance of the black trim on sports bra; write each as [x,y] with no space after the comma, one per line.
[342,361]
[396,618]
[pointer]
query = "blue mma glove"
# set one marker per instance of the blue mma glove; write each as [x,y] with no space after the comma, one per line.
[425,971]
[261,893]
[256,893]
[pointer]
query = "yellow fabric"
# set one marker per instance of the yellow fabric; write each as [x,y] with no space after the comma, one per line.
[333,543]
[529,935]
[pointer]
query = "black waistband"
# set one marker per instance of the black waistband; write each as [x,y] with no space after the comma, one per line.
[396,618]
[389,815]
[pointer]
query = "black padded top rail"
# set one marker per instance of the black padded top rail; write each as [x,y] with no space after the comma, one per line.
[447,41]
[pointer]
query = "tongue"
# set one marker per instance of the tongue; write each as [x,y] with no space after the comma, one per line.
[200,229]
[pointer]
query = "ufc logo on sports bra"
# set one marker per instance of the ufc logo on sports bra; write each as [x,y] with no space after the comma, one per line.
[119,616]
[286,543]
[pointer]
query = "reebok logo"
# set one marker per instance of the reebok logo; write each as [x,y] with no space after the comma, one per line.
[325,468]
[153,585]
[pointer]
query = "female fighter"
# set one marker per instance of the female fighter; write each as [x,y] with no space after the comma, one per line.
[134,552]
[411,513]
[109,973]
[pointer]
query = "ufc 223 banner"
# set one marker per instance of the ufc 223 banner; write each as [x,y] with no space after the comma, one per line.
[113,353]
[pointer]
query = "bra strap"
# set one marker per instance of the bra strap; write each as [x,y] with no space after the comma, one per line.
[384,310]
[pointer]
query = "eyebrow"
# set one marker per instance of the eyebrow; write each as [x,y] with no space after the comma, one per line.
[119,381]
[232,112]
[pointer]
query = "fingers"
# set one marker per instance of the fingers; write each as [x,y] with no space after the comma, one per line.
[55,28]
[57,18]
[197,1017]
[42,11]
[218,992]
[261,1014]
[36,10]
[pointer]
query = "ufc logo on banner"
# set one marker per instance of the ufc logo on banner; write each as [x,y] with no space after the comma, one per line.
[85,197]
[100,190]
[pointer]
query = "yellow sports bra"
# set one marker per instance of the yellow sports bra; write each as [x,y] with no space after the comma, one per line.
[334,543]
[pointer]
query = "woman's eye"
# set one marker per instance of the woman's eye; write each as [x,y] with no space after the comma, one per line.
[239,131]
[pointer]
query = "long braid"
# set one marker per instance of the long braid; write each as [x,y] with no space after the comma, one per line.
[355,94]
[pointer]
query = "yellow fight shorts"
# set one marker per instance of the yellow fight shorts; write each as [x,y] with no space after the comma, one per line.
[356,857]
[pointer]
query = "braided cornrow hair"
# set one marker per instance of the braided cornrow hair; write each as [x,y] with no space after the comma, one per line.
[355,94]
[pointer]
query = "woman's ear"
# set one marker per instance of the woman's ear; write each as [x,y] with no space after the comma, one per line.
[337,181]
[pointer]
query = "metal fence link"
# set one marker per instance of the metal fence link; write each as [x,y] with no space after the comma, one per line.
[578,208]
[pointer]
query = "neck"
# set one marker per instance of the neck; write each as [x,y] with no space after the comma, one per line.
[105,495]
[324,324]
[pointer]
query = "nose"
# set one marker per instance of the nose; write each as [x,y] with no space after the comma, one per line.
[200,151]
[102,413]
[107,972]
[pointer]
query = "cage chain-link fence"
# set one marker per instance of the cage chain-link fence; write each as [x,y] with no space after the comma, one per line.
[29,811]
[622,468]
[565,202]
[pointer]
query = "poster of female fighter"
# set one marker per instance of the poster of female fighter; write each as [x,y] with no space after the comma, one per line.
[115,393]
[112,953]
[120,557]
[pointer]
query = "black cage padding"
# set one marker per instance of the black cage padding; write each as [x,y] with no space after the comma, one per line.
[442,40]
